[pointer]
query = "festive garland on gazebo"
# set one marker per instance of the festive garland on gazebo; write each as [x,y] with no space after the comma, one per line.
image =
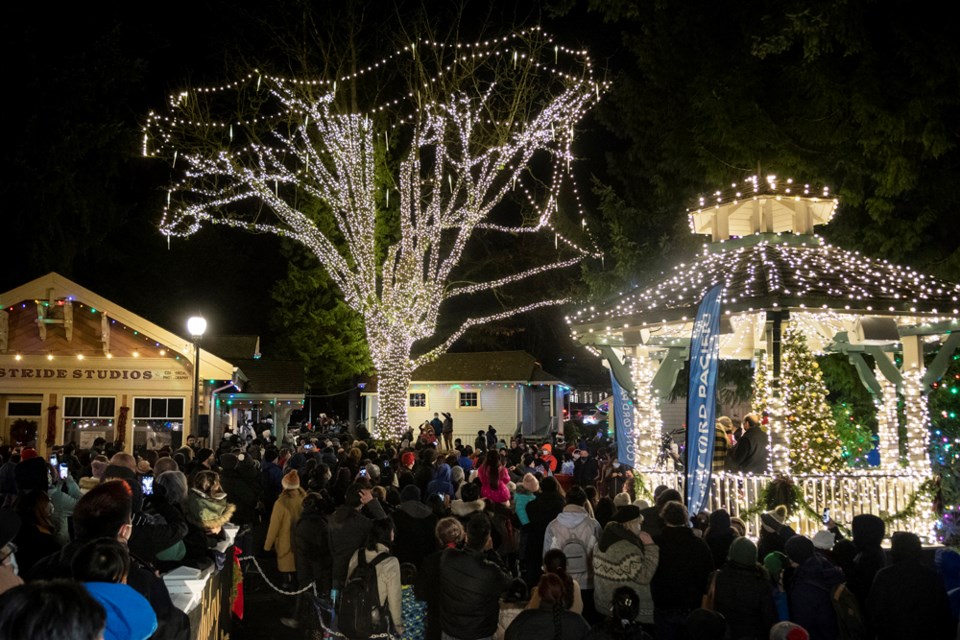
[783,491]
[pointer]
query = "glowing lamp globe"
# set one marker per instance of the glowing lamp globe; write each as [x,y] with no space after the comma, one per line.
[196,326]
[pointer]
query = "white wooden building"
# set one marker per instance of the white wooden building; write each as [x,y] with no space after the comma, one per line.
[506,389]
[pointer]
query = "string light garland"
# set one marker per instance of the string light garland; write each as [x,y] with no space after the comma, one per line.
[297,147]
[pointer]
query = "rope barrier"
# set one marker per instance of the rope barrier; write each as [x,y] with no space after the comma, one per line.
[312,586]
[256,564]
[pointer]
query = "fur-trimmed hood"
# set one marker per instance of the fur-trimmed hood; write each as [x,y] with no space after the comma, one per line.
[206,511]
[462,509]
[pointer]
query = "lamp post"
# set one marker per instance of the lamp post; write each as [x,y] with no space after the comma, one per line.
[196,326]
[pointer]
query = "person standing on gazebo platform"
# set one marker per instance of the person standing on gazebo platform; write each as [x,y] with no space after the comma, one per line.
[749,455]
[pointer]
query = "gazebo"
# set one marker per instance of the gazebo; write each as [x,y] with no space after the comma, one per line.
[776,272]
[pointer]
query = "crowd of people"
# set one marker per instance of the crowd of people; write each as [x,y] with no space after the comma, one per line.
[440,540]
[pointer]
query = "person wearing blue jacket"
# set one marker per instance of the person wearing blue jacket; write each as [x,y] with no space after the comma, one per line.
[101,566]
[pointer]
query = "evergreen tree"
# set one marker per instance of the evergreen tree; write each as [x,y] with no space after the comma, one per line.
[814,444]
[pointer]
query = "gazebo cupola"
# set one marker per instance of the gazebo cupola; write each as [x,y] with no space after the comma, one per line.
[762,206]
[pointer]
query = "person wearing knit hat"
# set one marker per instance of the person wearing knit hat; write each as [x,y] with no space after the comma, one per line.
[743,552]
[775,563]
[291,480]
[823,540]
[622,499]
[810,591]
[741,592]
[530,483]
[229,461]
[27,453]
[625,556]
[771,535]
[739,526]
[525,494]
[788,631]
[283,518]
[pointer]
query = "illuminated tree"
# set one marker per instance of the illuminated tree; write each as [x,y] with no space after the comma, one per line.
[483,121]
[815,446]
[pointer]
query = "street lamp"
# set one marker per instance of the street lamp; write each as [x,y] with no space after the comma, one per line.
[196,326]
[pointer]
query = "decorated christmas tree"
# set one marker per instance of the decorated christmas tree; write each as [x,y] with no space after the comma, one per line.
[815,446]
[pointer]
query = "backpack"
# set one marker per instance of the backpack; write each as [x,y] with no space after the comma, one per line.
[578,560]
[849,619]
[359,613]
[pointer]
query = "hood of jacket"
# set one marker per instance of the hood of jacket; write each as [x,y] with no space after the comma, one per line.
[615,532]
[572,515]
[819,570]
[415,509]
[442,474]
[129,614]
[462,509]
[207,512]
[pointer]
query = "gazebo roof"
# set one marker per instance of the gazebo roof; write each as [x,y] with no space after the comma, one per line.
[771,271]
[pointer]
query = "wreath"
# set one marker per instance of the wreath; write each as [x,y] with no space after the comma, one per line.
[23,431]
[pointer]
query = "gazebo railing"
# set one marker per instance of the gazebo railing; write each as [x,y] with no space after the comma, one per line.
[845,494]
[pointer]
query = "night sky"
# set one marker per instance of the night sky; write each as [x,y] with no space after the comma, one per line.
[78,198]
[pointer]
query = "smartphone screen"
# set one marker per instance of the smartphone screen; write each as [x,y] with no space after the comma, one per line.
[64,471]
[53,460]
[363,472]
[147,483]
[826,516]
[386,464]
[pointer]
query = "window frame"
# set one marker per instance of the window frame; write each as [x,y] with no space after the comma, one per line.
[468,407]
[81,398]
[426,400]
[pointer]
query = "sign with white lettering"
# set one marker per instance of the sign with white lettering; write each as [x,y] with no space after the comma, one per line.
[702,399]
[79,373]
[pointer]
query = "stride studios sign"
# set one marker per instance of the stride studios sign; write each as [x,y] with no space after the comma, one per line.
[108,375]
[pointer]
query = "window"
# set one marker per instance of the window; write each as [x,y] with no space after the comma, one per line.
[158,422]
[165,408]
[86,418]
[418,400]
[469,400]
[23,409]
[89,407]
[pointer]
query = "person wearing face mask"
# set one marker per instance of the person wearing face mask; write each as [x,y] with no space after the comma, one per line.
[546,454]
[614,477]
[9,572]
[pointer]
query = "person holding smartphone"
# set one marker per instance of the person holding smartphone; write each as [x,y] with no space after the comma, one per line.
[64,493]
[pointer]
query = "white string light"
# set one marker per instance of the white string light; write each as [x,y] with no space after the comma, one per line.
[450,181]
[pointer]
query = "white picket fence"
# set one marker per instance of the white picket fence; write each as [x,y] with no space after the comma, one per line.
[846,495]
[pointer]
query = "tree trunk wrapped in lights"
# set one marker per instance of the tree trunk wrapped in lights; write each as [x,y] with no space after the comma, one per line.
[471,126]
